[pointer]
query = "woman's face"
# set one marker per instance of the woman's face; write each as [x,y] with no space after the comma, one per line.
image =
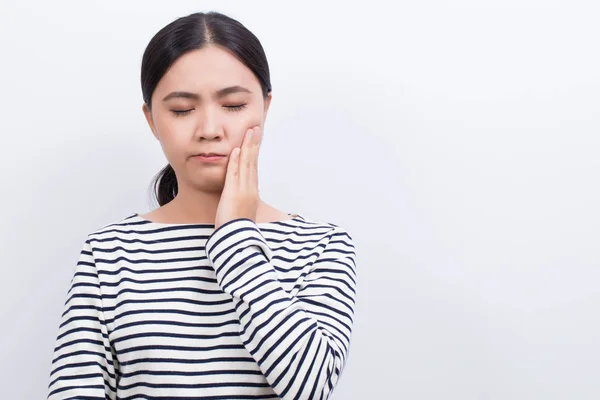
[204,104]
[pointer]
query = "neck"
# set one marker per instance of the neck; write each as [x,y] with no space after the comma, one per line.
[193,206]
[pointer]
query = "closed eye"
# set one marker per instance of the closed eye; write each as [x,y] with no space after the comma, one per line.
[180,113]
[238,107]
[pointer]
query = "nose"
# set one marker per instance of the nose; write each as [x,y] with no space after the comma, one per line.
[209,127]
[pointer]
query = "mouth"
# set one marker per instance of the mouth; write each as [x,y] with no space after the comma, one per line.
[209,157]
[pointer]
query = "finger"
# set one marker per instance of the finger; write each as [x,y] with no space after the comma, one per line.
[246,156]
[253,173]
[254,146]
[232,174]
[247,139]
[250,162]
[258,136]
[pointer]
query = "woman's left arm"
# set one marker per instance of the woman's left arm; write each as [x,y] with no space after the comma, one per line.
[300,342]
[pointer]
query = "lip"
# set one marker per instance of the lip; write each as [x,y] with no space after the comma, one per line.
[209,157]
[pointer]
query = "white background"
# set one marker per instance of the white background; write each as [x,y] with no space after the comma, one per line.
[458,141]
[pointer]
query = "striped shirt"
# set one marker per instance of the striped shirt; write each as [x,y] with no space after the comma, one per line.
[246,311]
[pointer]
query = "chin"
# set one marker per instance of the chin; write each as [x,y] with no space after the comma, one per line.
[209,184]
[211,187]
[209,180]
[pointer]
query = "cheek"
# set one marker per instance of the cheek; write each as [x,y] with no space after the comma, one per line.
[172,141]
[238,125]
[235,134]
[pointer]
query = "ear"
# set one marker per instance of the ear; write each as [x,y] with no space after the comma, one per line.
[148,115]
[267,104]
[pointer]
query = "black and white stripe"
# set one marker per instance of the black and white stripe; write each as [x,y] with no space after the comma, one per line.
[247,311]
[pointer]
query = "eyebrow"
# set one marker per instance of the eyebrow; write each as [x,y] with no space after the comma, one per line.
[218,94]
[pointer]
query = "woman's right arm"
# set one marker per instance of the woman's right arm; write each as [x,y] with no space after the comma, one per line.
[83,365]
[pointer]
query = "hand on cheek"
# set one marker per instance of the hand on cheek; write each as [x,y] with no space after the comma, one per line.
[240,192]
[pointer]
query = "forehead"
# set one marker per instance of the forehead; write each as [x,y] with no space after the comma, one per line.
[206,70]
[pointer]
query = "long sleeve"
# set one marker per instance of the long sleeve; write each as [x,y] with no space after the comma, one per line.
[300,342]
[83,366]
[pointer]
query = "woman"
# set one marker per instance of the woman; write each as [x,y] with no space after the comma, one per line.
[215,294]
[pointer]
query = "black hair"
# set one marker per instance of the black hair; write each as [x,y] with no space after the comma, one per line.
[189,33]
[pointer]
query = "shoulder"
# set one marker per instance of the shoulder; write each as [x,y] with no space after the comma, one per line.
[331,227]
[338,250]
[309,229]
[122,226]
